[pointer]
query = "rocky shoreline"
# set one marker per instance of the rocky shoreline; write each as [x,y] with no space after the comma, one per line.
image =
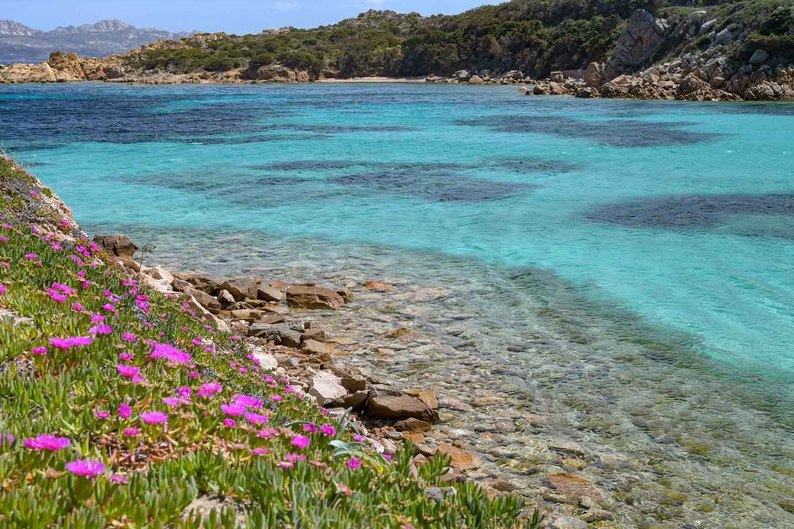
[313,334]
[640,68]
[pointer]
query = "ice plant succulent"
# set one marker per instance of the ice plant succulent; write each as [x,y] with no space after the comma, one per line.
[86,468]
[50,443]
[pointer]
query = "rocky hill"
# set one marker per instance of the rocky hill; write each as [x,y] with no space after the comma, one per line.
[22,44]
[730,49]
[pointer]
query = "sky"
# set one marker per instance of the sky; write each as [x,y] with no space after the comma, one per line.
[231,16]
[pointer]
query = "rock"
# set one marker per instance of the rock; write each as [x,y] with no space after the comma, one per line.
[759,57]
[724,37]
[461,76]
[280,333]
[400,407]
[325,387]
[540,90]
[412,425]
[565,522]
[266,360]
[356,401]
[226,299]
[118,245]
[276,73]
[524,91]
[594,75]
[246,314]
[707,26]
[205,300]
[273,319]
[461,459]
[399,332]
[309,297]
[570,485]
[266,293]
[317,348]
[158,272]
[429,397]
[557,76]
[346,294]
[241,288]
[476,80]
[377,286]
[353,383]
[503,485]
[642,38]
[587,93]
[597,515]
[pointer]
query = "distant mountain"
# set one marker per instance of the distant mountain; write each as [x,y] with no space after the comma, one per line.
[21,44]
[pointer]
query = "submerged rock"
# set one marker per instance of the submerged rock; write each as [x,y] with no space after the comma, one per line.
[400,407]
[309,297]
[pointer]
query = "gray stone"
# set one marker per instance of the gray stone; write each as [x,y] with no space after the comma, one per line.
[724,37]
[279,333]
[759,57]
[325,387]
[225,299]
[556,76]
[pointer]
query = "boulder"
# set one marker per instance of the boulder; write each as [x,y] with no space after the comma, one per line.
[118,245]
[412,425]
[524,91]
[587,93]
[400,407]
[759,57]
[557,76]
[725,36]
[226,299]
[279,333]
[461,76]
[325,387]
[643,37]
[594,75]
[476,80]
[205,300]
[241,288]
[355,401]
[266,293]
[158,272]
[309,297]
[317,348]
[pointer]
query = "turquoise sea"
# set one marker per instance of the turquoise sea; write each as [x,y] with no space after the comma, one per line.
[630,264]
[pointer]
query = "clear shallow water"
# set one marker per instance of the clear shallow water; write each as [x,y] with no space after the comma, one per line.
[632,261]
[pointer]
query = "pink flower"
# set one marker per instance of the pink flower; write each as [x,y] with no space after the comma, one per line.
[293,458]
[97,318]
[353,463]
[4,238]
[63,289]
[128,371]
[68,343]
[359,438]
[267,433]
[31,256]
[260,451]
[124,411]
[39,351]
[101,330]
[255,418]
[327,429]
[85,468]
[276,398]
[119,478]
[7,439]
[184,392]
[131,432]
[209,389]
[247,401]
[301,441]
[56,296]
[172,402]
[154,417]
[126,357]
[170,353]
[108,307]
[102,414]
[78,307]
[47,442]
[3,289]
[233,410]
[229,423]
[128,337]
[311,428]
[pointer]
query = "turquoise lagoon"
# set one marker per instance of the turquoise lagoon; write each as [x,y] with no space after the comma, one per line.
[629,264]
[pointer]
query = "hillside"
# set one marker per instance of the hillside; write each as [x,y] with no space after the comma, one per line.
[22,44]
[727,49]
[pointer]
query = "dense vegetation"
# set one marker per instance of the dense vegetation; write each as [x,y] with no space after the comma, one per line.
[118,408]
[534,36]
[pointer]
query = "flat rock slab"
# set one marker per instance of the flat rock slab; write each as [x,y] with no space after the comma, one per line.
[461,459]
[306,297]
[400,407]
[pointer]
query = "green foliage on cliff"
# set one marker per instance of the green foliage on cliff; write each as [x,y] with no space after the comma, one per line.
[534,36]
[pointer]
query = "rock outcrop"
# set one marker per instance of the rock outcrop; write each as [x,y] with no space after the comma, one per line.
[643,37]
